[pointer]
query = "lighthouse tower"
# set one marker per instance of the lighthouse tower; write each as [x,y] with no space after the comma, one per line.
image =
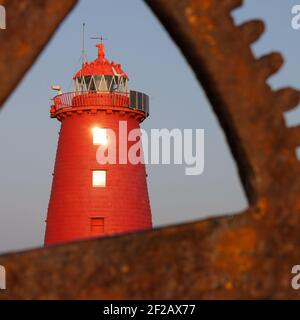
[89,198]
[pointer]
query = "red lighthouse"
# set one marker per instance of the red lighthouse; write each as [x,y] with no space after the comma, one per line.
[90,199]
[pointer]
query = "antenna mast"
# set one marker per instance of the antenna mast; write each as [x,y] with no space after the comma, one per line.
[83,55]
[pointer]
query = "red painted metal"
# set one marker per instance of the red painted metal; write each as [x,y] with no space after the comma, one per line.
[90,98]
[101,66]
[123,205]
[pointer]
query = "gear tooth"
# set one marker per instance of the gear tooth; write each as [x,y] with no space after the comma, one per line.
[287,98]
[294,135]
[231,4]
[252,30]
[270,64]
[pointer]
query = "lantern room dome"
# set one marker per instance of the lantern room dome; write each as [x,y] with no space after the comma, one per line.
[101,66]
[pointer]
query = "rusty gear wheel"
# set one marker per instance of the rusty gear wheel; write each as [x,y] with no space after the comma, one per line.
[249,255]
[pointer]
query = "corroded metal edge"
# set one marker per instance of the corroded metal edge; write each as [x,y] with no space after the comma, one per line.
[245,256]
[30,25]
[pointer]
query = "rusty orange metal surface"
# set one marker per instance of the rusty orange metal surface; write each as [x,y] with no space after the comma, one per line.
[248,255]
[30,25]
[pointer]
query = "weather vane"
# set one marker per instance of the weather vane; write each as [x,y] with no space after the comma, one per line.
[99,38]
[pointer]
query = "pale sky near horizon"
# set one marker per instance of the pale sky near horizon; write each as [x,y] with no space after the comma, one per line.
[28,137]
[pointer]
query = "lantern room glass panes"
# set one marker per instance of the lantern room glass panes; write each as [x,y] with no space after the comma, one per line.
[101,83]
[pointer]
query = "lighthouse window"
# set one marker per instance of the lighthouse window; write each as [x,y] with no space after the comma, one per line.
[92,86]
[81,84]
[103,84]
[108,80]
[87,81]
[114,83]
[99,136]
[99,178]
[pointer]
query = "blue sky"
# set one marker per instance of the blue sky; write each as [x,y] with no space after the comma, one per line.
[28,137]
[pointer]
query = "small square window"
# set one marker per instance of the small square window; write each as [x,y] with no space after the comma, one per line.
[99,178]
[99,136]
[97,225]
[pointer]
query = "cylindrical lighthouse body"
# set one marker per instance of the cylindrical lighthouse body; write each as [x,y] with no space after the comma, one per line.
[88,198]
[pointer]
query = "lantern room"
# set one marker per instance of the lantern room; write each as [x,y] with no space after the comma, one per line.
[100,84]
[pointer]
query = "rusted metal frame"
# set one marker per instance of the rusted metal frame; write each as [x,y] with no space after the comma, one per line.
[244,256]
[30,25]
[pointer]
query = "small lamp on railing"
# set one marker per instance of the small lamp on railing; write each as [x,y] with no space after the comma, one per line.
[57,88]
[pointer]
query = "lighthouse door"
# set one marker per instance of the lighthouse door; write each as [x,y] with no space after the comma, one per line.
[97,225]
